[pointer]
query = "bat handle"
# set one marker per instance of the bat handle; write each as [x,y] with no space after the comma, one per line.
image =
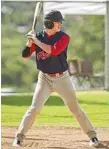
[31,33]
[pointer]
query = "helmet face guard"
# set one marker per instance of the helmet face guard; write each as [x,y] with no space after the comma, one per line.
[48,24]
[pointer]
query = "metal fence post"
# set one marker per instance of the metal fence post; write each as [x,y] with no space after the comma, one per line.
[107,47]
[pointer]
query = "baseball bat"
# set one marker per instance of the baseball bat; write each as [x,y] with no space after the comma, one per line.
[36,15]
[35,19]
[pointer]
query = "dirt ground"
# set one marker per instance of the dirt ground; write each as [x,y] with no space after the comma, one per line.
[54,138]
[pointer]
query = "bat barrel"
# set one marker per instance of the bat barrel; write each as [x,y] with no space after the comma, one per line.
[36,14]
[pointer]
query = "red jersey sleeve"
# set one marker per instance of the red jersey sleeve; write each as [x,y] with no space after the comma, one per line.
[60,45]
[32,48]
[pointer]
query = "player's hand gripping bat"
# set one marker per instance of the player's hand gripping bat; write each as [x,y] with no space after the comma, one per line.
[35,19]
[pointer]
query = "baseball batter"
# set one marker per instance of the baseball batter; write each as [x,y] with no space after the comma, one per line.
[50,47]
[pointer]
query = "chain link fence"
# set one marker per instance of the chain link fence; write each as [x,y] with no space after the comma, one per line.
[86,51]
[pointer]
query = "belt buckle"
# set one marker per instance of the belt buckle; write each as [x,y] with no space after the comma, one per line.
[57,74]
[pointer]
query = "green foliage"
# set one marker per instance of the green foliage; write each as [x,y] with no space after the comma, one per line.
[86,41]
[16,22]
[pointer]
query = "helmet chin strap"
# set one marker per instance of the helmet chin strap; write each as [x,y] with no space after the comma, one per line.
[51,31]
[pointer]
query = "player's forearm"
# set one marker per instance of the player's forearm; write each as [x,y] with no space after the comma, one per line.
[29,49]
[26,52]
[43,46]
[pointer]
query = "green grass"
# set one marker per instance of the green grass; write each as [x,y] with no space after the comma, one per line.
[94,103]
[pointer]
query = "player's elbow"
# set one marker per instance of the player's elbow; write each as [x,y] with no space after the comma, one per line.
[49,51]
[25,56]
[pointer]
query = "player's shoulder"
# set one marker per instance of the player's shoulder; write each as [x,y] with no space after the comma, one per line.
[40,34]
[64,34]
